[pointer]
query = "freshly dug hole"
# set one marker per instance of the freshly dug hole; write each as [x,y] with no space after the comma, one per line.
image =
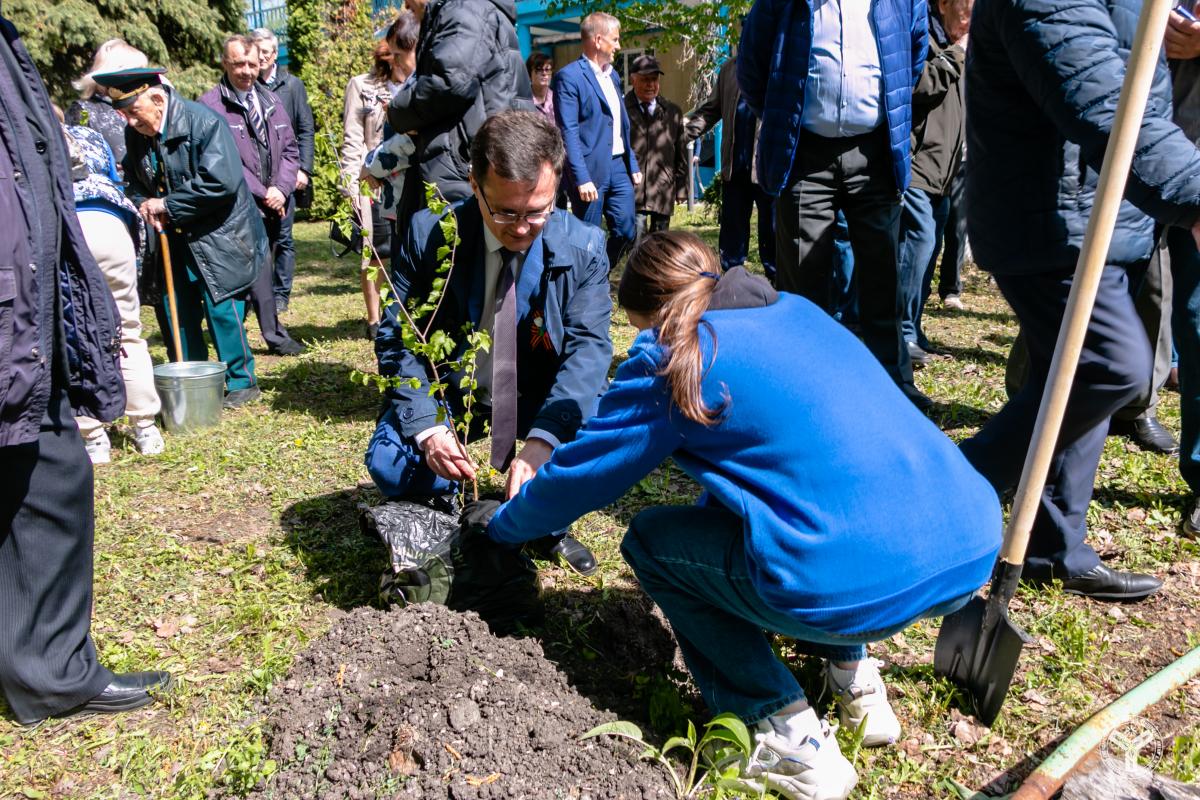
[424,702]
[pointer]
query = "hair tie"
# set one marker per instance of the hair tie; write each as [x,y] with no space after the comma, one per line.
[712,275]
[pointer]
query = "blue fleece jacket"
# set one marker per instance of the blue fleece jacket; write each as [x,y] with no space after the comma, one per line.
[859,513]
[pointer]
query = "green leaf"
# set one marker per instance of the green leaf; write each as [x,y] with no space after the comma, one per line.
[691,733]
[677,741]
[618,728]
[734,725]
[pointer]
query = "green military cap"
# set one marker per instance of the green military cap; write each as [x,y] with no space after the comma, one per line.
[125,86]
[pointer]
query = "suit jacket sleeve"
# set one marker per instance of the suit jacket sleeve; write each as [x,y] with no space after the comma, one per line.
[626,126]
[217,174]
[681,151]
[1070,64]
[942,74]
[566,113]
[411,270]
[587,347]
[447,87]
[703,117]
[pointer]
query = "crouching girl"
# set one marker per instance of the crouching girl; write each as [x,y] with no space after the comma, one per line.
[833,511]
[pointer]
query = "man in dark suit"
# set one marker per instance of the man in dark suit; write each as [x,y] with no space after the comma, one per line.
[533,277]
[48,663]
[601,166]
[656,131]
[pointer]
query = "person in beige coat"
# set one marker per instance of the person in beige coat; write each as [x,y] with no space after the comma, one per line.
[367,98]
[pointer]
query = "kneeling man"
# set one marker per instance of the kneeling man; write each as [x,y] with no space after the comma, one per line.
[536,279]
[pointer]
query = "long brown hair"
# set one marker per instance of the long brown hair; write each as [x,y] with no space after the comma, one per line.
[382,55]
[670,277]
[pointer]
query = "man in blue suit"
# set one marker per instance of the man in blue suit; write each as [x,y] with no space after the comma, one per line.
[601,167]
[534,278]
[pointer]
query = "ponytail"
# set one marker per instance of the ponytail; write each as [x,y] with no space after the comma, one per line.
[670,276]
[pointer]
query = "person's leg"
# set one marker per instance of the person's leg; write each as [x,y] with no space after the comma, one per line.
[804,220]
[619,214]
[1151,287]
[227,324]
[765,204]
[941,208]
[736,207]
[397,465]
[190,302]
[1185,270]
[873,215]
[48,663]
[950,276]
[1112,365]
[262,295]
[915,250]
[845,298]
[659,222]
[285,258]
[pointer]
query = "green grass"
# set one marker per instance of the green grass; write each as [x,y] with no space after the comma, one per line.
[222,558]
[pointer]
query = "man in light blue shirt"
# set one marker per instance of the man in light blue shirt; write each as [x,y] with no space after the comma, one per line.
[845,69]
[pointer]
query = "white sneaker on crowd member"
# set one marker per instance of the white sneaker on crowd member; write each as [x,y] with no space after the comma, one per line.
[99,449]
[797,757]
[861,695]
[147,438]
[954,301]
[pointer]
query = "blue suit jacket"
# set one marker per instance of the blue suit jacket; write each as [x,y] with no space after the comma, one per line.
[563,314]
[586,123]
[772,72]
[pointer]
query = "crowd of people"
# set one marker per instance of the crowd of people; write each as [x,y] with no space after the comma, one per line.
[847,127]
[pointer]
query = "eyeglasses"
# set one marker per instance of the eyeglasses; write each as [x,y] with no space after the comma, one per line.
[508,218]
[544,69]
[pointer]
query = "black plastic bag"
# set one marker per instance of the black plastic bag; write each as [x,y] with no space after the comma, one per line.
[435,560]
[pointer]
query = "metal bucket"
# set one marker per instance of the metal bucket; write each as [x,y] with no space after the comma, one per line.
[191,394]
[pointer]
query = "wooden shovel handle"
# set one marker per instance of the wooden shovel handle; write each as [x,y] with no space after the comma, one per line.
[1117,158]
[170,281]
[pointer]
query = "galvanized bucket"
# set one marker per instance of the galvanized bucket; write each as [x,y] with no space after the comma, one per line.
[191,394]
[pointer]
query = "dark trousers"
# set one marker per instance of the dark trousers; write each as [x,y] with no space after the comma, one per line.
[262,292]
[652,222]
[285,255]
[613,205]
[954,250]
[1185,269]
[1112,368]
[739,197]
[852,174]
[47,660]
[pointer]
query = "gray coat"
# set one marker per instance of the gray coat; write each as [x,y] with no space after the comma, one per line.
[720,106]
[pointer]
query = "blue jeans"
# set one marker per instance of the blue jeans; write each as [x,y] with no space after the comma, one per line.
[1185,324]
[691,560]
[285,256]
[614,205]
[922,224]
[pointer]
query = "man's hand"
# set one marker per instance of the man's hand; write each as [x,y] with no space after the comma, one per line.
[535,453]
[301,180]
[587,192]
[637,178]
[1183,37]
[372,181]
[154,211]
[447,458]
[275,200]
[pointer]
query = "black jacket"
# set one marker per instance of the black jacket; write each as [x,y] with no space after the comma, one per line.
[469,67]
[938,132]
[1043,78]
[57,314]
[294,96]
[208,202]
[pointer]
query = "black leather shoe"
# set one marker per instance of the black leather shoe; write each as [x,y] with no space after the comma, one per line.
[126,692]
[1147,433]
[570,550]
[922,401]
[288,347]
[1189,526]
[917,354]
[281,306]
[240,397]
[372,330]
[1110,585]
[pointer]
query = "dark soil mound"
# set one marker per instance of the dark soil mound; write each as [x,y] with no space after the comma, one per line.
[425,702]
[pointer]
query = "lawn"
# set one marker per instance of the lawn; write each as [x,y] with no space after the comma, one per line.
[222,558]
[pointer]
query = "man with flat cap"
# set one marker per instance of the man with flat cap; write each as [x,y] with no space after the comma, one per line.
[656,134]
[185,175]
[48,662]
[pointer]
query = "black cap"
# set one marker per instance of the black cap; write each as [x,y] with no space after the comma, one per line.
[645,65]
[125,86]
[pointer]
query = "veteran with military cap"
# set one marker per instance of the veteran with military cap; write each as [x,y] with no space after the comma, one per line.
[183,172]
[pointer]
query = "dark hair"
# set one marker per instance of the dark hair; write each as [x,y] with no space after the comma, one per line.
[537,59]
[514,145]
[670,277]
[381,69]
[405,31]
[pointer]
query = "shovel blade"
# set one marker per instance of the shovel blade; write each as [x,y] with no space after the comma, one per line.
[978,649]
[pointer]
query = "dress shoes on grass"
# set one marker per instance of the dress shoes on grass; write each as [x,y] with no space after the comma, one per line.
[569,550]
[1106,585]
[1147,433]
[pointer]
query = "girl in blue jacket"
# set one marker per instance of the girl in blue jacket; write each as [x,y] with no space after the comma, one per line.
[833,511]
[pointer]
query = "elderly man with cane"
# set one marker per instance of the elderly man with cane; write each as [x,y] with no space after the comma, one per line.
[184,174]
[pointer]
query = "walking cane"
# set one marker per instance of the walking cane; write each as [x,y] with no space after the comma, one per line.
[978,646]
[171,309]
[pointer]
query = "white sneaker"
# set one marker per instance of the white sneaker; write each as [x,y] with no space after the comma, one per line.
[798,758]
[148,440]
[953,301]
[861,695]
[99,449]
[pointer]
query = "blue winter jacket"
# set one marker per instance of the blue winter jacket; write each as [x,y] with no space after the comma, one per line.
[859,514]
[1043,78]
[773,60]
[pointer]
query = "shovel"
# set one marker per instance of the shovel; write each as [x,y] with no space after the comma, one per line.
[169,276]
[978,646]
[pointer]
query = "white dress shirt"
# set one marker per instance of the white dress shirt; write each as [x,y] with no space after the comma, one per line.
[613,99]
[843,95]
